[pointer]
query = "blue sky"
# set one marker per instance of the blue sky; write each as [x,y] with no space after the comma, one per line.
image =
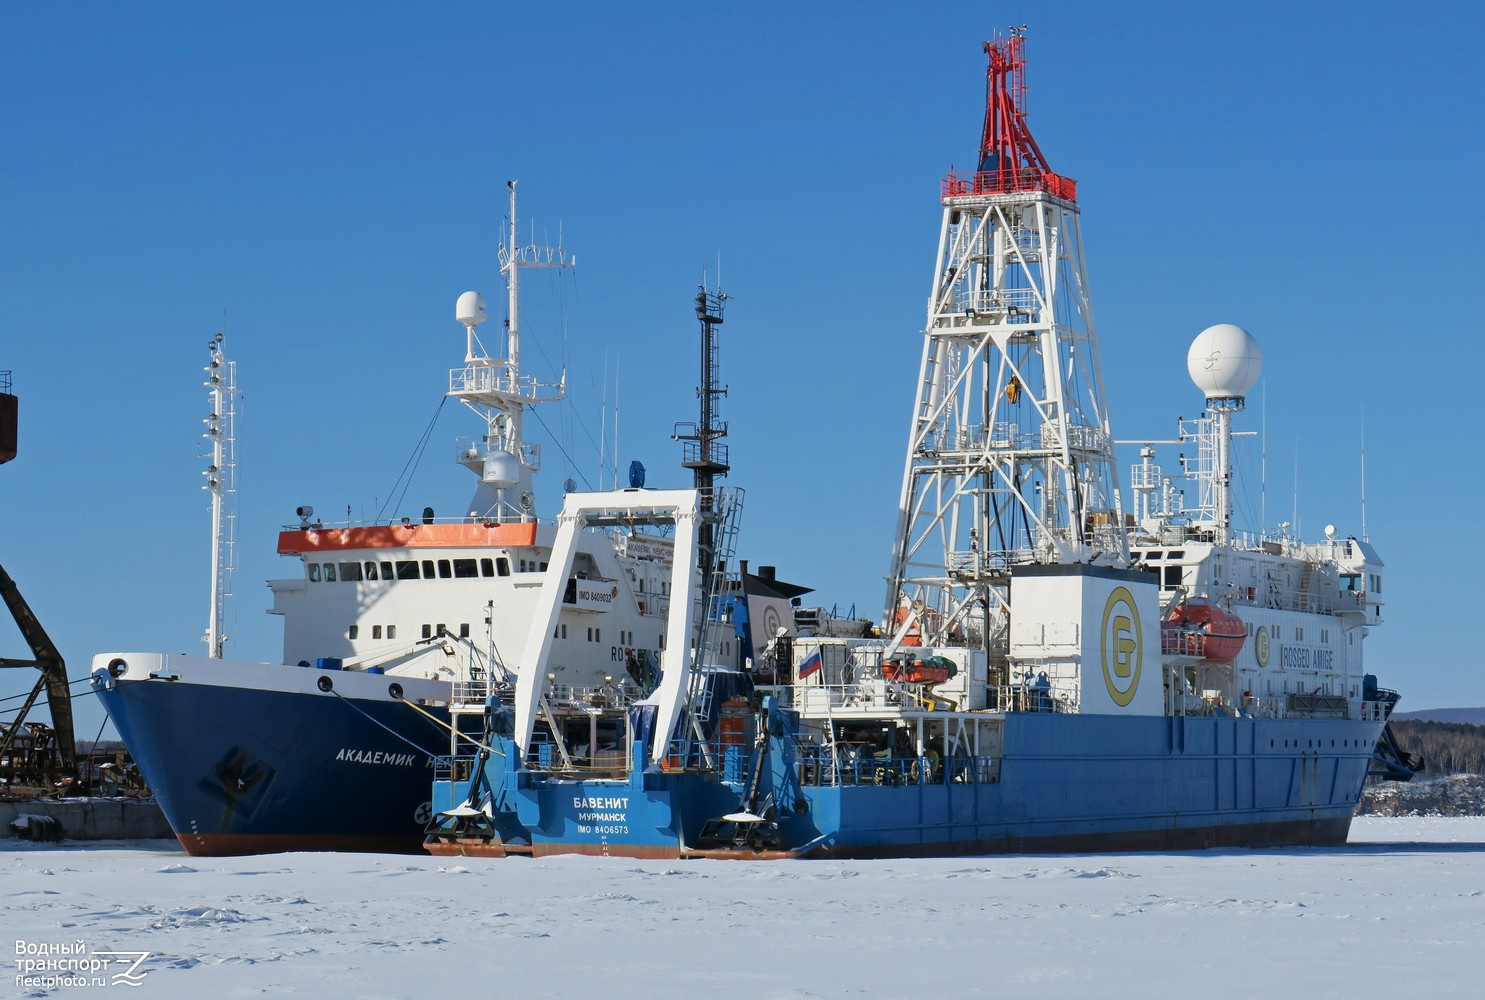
[327,178]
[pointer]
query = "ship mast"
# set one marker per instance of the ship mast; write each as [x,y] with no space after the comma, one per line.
[1224,361]
[702,451]
[495,389]
[221,485]
[1010,459]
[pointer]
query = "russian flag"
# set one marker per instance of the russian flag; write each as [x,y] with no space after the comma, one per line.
[811,665]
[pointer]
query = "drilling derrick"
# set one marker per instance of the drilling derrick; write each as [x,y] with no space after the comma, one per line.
[1010,459]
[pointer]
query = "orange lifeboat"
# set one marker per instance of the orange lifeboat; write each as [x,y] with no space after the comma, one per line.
[1195,628]
[934,670]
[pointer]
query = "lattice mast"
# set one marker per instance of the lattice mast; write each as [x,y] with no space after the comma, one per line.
[702,450]
[1010,459]
[221,485]
[496,389]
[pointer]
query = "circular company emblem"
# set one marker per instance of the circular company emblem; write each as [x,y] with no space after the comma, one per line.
[423,813]
[1122,644]
[771,622]
[1260,645]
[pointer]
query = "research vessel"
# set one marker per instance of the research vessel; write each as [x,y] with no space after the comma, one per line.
[1052,671]
[387,626]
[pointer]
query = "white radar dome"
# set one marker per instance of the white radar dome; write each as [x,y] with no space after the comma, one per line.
[1224,361]
[502,471]
[470,309]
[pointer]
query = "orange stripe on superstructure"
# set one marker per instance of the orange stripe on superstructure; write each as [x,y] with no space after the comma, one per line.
[409,536]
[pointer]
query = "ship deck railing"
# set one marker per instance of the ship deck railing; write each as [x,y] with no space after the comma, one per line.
[822,767]
[1377,711]
[876,695]
[587,698]
[473,692]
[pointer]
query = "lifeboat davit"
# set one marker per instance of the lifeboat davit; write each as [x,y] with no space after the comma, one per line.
[913,636]
[1196,628]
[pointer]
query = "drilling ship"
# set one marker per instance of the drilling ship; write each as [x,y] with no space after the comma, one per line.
[1052,671]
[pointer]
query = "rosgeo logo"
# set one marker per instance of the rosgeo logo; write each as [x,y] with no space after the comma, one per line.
[1261,645]
[1121,643]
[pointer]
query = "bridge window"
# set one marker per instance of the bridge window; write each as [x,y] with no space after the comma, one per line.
[376,631]
[387,571]
[353,632]
[464,630]
[314,572]
[407,569]
[427,631]
[428,572]
[445,572]
[329,572]
[502,566]
[370,571]
[350,571]
[391,631]
[464,569]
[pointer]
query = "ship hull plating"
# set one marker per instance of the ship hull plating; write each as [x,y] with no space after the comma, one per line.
[252,770]
[1064,783]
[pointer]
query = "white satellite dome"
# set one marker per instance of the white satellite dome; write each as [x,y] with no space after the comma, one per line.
[470,309]
[502,470]
[1224,361]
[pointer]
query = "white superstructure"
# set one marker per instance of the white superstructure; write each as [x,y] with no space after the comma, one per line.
[451,597]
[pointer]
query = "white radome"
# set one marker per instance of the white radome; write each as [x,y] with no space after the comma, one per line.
[470,309]
[1224,361]
[502,470]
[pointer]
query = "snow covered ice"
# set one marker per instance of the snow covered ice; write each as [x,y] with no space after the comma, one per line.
[1402,907]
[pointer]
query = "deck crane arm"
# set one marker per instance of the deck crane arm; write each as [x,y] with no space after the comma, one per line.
[53,674]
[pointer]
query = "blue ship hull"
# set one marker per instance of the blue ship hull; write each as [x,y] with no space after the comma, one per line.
[240,769]
[1062,783]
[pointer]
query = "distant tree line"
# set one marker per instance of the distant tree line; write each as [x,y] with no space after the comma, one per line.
[1453,783]
[1447,747]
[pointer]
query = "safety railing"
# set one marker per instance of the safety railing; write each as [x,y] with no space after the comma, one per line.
[471,692]
[1376,711]
[1006,180]
[728,757]
[822,767]
[495,378]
